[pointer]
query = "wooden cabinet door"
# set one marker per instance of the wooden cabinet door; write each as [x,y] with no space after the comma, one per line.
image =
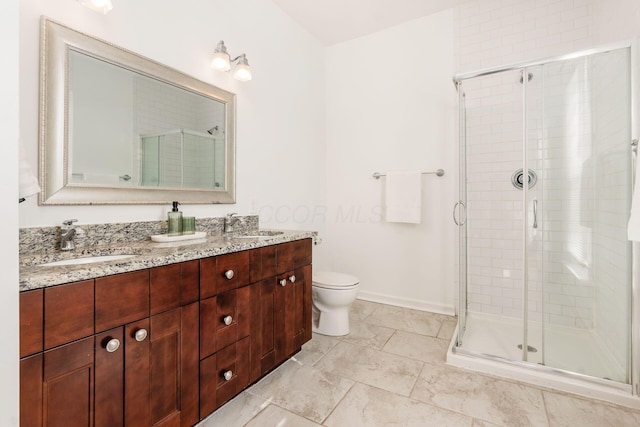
[292,312]
[68,378]
[263,344]
[286,307]
[109,378]
[164,371]
[31,391]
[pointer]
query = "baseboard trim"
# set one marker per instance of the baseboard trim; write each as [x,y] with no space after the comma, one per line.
[448,310]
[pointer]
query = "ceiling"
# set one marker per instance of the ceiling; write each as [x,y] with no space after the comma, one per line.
[335,21]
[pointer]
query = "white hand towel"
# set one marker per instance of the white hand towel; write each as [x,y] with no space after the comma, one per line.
[27,181]
[404,197]
[633,229]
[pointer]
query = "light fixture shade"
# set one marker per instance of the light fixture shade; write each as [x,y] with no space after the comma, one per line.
[242,71]
[220,59]
[102,6]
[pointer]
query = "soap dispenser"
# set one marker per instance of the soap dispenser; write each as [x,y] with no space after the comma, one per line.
[174,221]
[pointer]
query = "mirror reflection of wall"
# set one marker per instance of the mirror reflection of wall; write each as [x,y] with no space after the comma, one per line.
[111,111]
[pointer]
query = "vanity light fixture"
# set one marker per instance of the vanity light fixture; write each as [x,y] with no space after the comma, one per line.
[102,6]
[221,61]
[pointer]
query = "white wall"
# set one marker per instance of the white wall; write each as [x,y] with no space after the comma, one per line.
[391,106]
[9,368]
[280,113]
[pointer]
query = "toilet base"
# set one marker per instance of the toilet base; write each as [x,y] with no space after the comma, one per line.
[332,323]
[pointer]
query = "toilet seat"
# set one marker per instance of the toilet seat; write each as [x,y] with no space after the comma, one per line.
[333,280]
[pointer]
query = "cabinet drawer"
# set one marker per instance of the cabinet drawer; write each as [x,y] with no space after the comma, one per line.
[68,313]
[292,255]
[121,299]
[223,273]
[31,318]
[164,288]
[223,375]
[224,319]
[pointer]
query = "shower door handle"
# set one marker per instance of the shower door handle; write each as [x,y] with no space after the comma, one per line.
[535,213]
[454,213]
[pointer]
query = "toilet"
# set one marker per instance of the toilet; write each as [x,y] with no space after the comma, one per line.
[332,295]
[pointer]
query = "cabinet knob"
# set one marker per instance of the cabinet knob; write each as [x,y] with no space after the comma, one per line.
[112,345]
[292,278]
[140,335]
[227,320]
[227,375]
[229,274]
[283,282]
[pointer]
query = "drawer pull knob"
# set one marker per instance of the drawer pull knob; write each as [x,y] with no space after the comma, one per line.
[292,279]
[229,274]
[140,335]
[227,375]
[283,282]
[227,320]
[112,345]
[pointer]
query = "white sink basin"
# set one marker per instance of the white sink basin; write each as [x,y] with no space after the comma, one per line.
[85,260]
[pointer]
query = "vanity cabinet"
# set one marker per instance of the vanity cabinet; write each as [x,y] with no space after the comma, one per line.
[164,346]
[137,363]
[281,306]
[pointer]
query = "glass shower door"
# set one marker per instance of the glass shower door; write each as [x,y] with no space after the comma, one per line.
[492,239]
[586,195]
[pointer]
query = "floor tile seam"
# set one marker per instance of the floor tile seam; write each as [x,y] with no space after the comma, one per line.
[546,410]
[314,364]
[413,399]
[293,412]
[260,411]
[401,330]
[386,352]
[339,401]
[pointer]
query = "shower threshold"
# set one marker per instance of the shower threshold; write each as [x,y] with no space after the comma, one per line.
[534,372]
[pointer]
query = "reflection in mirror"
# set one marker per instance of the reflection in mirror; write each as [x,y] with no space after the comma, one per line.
[133,130]
[124,129]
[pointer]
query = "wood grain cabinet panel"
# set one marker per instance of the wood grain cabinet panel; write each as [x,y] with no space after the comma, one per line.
[67,385]
[292,255]
[121,299]
[190,282]
[224,375]
[31,391]
[208,276]
[31,322]
[165,288]
[232,271]
[109,379]
[68,313]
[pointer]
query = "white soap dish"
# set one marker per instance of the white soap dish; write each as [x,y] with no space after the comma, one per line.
[163,238]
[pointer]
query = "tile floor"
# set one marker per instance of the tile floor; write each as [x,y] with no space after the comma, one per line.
[390,371]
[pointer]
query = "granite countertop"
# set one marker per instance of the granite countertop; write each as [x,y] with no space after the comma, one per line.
[146,254]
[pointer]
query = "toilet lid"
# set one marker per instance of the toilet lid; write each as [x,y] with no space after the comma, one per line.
[331,279]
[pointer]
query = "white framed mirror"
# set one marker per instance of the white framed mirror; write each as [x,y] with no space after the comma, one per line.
[119,128]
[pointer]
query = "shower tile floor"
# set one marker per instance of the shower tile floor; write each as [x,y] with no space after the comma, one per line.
[390,371]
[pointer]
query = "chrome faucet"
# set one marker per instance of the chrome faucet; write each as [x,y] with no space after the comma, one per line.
[229,222]
[67,233]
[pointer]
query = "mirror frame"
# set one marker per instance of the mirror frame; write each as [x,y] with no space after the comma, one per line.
[55,42]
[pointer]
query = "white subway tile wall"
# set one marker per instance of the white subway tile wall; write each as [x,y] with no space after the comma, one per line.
[164,108]
[578,145]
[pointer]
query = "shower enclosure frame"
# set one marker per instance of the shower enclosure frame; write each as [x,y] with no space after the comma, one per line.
[576,381]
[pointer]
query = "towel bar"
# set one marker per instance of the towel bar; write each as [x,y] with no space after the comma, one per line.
[439,172]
